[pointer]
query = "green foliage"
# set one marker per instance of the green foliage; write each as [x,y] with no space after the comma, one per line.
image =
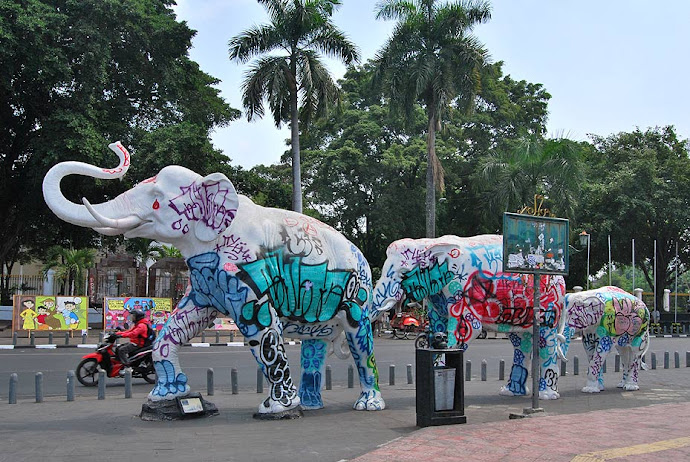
[69,266]
[76,75]
[636,190]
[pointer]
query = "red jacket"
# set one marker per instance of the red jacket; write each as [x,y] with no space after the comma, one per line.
[137,334]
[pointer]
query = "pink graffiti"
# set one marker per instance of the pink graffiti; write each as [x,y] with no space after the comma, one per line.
[586,313]
[627,317]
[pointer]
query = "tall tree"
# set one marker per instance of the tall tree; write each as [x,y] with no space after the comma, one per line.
[299,30]
[77,75]
[637,189]
[432,58]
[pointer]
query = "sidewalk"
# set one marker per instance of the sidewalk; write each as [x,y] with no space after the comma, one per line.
[652,423]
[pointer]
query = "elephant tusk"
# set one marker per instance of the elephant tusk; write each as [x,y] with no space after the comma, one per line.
[108,231]
[120,223]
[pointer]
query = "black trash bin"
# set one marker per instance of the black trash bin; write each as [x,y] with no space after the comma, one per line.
[440,389]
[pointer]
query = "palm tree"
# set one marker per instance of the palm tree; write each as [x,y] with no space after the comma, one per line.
[69,266]
[431,58]
[299,30]
[533,166]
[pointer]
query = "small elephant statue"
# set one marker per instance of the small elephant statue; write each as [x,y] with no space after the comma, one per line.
[466,291]
[608,316]
[276,273]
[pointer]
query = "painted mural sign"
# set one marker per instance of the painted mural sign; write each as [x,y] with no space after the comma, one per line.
[116,311]
[50,312]
[535,244]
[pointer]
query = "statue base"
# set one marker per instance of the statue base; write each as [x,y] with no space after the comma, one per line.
[185,407]
[290,414]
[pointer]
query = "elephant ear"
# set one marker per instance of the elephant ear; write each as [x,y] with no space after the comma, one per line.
[218,206]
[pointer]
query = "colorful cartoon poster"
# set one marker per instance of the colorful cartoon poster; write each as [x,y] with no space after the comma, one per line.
[224,324]
[50,312]
[116,311]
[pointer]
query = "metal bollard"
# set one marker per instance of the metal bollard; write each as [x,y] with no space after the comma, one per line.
[329,378]
[209,381]
[101,337]
[676,359]
[409,374]
[576,365]
[604,367]
[70,385]
[14,380]
[391,374]
[259,381]
[617,363]
[32,339]
[350,376]
[203,337]
[653,360]
[39,387]
[217,337]
[233,381]
[101,384]
[14,338]
[563,372]
[468,370]
[128,383]
[83,338]
[50,338]
[501,370]
[666,359]
[687,359]
[66,338]
[483,370]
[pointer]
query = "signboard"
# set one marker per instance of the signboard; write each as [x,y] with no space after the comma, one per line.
[535,244]
[49,312]
[116,311]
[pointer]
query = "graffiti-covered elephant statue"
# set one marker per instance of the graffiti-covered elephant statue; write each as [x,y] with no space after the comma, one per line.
[466,291]
[276,273]
[608,316]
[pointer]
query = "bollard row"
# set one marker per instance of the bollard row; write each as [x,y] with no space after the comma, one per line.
[260,378]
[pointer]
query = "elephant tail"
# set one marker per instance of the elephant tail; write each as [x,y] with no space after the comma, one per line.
[339,347]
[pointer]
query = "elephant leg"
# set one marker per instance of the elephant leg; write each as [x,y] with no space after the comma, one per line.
[626,358]
[313,365]
[185,323]
[517,383]
[548,381]
[269,351]
[361,342]
[597,349]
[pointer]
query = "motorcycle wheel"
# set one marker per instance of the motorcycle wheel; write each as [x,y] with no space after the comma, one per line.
[87,372]
[421,342]
[148,373]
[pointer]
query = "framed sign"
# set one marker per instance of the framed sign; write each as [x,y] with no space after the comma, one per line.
[535,244]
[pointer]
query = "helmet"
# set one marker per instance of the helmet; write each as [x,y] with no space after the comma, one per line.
[137,315]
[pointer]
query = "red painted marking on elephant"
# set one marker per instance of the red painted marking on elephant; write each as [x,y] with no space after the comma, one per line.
[156,205]
[150,180]
[290,222]
[455,253]
[309,229]
[126,154]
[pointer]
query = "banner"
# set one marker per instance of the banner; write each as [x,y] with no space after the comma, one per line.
[50,312]
[535,244]
[116,311]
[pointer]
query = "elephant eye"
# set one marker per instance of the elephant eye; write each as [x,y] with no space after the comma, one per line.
[156,205]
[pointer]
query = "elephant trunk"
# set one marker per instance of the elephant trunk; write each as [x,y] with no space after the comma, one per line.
[76,213]
[560,334]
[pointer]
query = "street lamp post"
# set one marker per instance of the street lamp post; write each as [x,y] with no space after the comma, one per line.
[584,240]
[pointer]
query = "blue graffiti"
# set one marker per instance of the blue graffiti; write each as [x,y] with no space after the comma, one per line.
[168,383]
[313,357]
[214,287]
[518,380]
[419,283]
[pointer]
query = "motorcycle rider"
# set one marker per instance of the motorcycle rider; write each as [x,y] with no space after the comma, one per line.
[138,335]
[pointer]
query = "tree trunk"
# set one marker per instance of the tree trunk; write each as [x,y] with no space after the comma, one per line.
[296,162]
[430,179]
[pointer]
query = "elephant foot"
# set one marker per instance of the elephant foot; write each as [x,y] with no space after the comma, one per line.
[370,401]
[591,388]
[270,406]
[631,387]
[549,394]
[170,385]
[505,391]
[312,406]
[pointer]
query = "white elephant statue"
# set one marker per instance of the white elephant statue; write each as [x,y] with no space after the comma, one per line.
[276,273]
[466,290]
[608,316]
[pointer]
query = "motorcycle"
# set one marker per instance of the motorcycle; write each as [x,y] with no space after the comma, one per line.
[106,358]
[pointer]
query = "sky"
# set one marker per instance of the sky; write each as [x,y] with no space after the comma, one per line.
[610,66]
